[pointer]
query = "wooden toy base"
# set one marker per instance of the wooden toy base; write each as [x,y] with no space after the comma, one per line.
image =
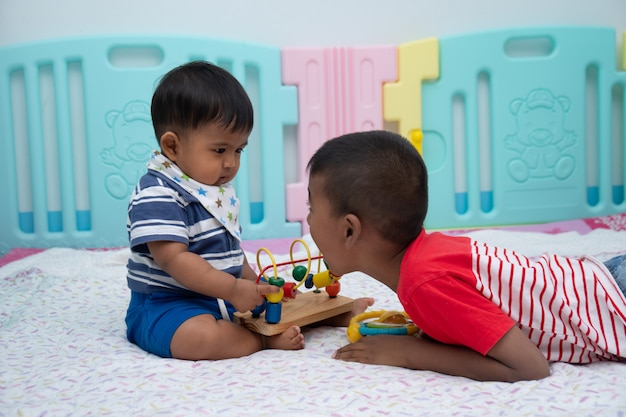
[307,308]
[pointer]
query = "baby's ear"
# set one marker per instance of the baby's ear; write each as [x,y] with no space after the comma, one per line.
[351,229]
[169,143]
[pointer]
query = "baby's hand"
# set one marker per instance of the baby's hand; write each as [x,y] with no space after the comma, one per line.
[248,294]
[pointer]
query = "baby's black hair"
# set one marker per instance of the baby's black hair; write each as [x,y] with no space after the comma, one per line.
[378,176]
[198,93]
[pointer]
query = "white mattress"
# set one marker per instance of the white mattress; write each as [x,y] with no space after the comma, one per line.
[63,351]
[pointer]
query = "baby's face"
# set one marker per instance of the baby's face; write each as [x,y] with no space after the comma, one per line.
[210,154]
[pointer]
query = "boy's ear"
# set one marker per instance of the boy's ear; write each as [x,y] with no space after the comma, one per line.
[169,143]
[352,229]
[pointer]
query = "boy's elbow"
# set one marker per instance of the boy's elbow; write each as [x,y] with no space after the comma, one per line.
[543,372]
[522,359]
[531,374]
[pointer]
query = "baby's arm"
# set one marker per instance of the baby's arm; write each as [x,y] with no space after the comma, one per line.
[193,272]
[513,358]
[247,271]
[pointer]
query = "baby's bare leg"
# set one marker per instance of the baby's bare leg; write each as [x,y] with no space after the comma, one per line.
[204,337]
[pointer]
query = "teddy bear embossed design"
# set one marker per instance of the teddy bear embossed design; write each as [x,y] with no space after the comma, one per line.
[541,139]
[133,141]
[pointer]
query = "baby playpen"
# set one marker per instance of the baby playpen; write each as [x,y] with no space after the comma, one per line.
[522,131]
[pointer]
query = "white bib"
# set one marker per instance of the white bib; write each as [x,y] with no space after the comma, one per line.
[219,200]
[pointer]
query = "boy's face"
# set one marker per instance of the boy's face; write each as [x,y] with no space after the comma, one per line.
[326,228]
[209,154]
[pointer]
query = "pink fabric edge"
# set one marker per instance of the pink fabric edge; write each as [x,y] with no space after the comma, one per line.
[281,245]
[17,254]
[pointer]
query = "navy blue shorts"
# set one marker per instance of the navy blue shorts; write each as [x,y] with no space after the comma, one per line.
[152,319]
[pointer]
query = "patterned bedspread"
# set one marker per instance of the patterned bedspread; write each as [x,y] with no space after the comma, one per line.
[64,352]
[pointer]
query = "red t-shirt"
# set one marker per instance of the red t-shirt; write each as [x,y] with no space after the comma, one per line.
[462,292]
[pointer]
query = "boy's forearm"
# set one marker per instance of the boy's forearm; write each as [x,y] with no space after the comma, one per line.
[424,354]
[459,361]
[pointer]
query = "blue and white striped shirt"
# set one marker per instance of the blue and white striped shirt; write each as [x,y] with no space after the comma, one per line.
[160,209]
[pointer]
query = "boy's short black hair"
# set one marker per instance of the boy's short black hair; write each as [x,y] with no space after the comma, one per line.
[378,176]
[197,93]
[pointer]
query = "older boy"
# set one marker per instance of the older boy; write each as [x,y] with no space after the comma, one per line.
[485,313]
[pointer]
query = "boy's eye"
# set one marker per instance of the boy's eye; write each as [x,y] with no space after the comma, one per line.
[220,150]
[240,150]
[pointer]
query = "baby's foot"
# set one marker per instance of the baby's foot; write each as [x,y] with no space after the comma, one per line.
[290,339]
[360,305]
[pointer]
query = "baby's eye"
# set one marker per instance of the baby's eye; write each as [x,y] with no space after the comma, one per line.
[220,150]
[240,150]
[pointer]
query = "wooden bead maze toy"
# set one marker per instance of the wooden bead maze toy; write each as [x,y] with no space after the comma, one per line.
[299,308]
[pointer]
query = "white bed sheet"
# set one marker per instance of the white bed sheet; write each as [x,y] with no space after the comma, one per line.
[63,351]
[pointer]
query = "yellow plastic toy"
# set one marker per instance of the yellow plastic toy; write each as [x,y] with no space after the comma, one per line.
[387,322]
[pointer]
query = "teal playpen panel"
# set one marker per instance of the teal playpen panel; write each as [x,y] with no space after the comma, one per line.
[76,134]
[525,126]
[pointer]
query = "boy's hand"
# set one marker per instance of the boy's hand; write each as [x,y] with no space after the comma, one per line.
[247,294]
[377,350]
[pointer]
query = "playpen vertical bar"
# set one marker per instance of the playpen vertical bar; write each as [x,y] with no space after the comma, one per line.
[255,151]
[459,146]
[485,141]
[66,152]
[474,163]
[619,99]
[79,145]
[49,135]
[618,143]
[591,136]
[36,150]
[21,160]
[8,210]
